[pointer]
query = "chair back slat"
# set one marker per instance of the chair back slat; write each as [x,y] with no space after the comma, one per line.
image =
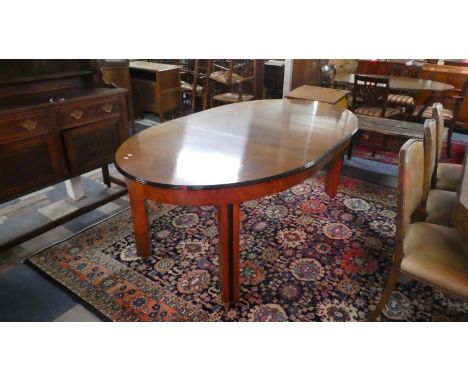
[370,91]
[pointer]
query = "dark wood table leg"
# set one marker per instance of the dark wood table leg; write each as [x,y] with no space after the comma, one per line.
[140,218]
[105,175]
[350,150]
[228,232]
[333,175]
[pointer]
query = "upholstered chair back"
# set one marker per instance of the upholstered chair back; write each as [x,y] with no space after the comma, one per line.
[430,152]
[438,115]
[410,182]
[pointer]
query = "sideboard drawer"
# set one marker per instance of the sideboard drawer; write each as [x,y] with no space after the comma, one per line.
[25,126]
[80,114]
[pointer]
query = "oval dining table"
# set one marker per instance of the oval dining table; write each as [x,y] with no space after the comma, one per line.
[401,83]
[230,154]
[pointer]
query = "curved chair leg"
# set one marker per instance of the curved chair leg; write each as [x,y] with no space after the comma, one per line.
[389,287]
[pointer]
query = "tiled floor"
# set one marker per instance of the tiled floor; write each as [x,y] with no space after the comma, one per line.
[27,213]
[28,295]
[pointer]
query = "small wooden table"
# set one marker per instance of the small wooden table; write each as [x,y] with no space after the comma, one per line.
[230,154]
[316,93]
[401,83]
[374,133]
[460,216]
[155,87]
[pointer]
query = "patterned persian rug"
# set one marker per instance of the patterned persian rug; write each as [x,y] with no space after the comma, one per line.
[304,257]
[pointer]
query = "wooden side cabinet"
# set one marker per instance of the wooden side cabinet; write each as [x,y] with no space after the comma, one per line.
[156,88]
[58,119]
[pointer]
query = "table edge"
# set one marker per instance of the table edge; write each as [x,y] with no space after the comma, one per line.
[333,150]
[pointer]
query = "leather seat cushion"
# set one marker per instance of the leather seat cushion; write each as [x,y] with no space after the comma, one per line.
[232,97]
[373,111]
[437,255]
[440,206]
[449,176]
[400,100]
[448,114]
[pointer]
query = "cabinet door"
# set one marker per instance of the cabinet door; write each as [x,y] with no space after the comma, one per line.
[91,146]
[28,165]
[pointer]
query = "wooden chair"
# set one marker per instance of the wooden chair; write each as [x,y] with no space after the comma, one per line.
[235,77]
[456,97]
[439,204]
[431,253]
[404,100]
[194,83]
[447,176]
[370,96]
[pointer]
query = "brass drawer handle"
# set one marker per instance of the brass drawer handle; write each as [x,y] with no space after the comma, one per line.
[107,107]
[29,124]
[77,114]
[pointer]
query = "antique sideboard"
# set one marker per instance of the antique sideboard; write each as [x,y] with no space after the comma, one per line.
[58,119]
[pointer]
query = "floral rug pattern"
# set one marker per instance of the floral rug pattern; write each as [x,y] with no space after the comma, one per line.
[304,257]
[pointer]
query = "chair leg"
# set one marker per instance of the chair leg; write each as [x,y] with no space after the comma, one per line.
[194,100]
[350,150]
[389,287]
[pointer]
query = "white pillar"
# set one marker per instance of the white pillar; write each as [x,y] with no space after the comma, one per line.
[288,72]
[75,189]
